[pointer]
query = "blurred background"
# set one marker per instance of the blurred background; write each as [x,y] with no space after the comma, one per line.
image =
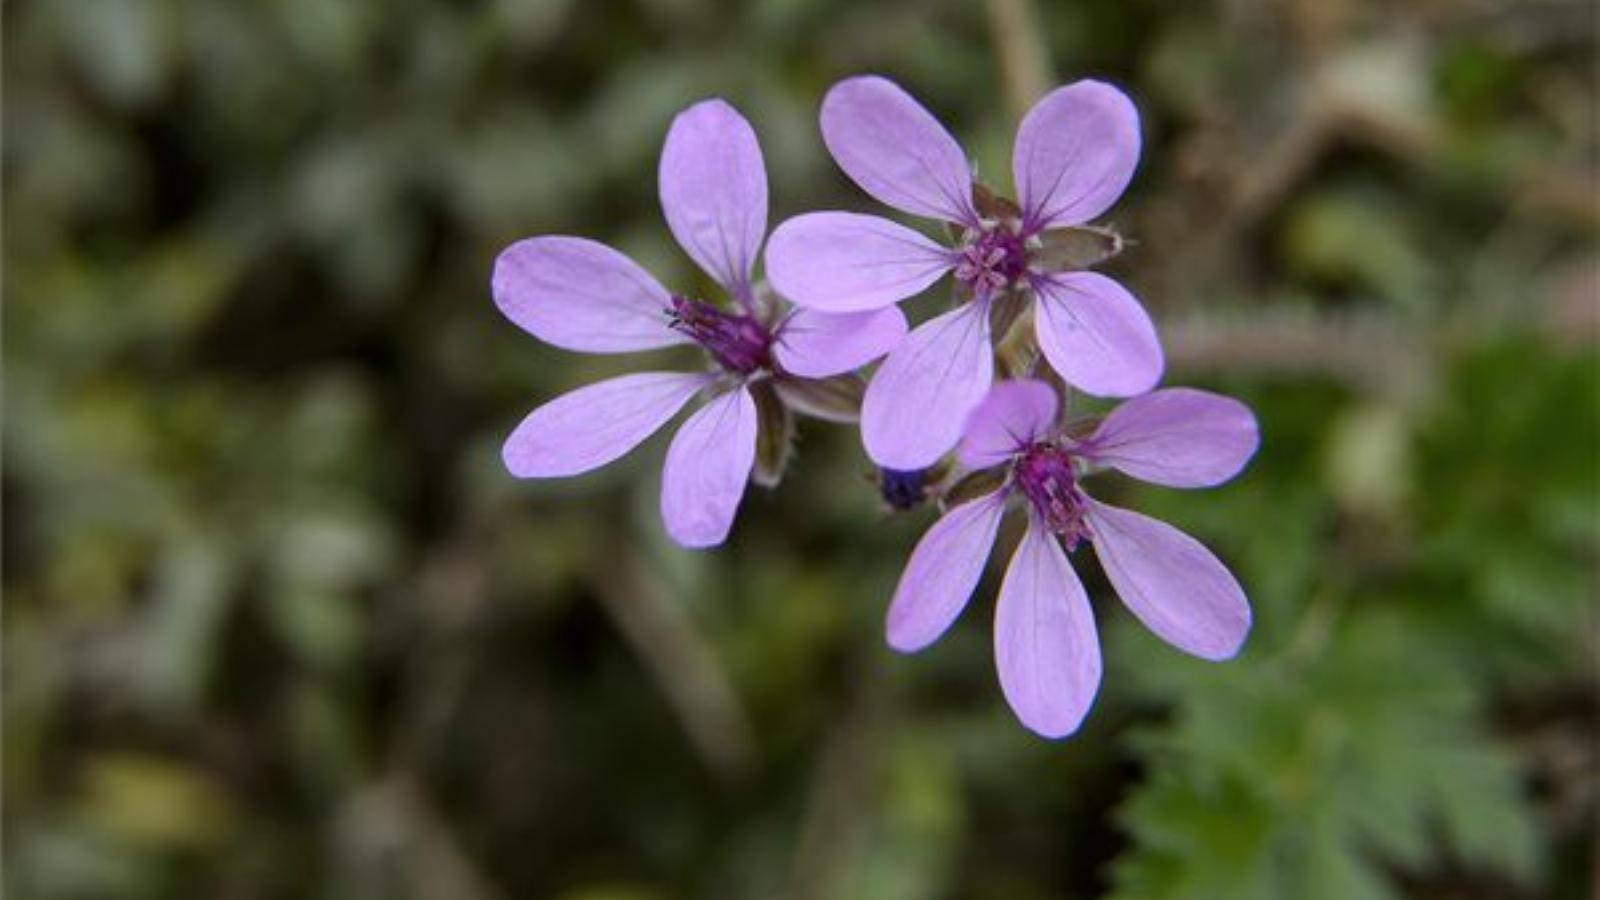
[277,624]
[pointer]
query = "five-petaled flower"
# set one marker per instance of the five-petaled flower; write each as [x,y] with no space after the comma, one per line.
[1045,645]
[582,295]
[1075,152]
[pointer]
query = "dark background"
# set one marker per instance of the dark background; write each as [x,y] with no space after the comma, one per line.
[278,624]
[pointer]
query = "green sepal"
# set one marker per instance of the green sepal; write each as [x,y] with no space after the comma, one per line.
[836,399]
[774,435]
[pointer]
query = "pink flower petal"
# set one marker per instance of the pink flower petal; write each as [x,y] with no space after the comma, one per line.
[1045,645]
[593,425]
[942,573]
[1178,437]
[581,295]
[919,399]
[1176,587]
[814,344]
[714,191]
[1012,416]
[847,262]
[707,468]
[1096,335]
[896,150]
[1075,153]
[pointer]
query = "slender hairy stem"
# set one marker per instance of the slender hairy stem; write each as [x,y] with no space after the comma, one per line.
[694,682]
[1019,45]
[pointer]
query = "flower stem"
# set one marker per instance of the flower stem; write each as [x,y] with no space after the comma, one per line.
[1019,45]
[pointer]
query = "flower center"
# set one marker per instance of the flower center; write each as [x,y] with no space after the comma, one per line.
[738,343]
[1044,473]
[991,261]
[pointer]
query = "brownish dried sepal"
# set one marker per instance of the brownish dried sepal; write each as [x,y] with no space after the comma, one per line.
[1076,248]
[971,486]
[993,206]
[774,435]
[836,399]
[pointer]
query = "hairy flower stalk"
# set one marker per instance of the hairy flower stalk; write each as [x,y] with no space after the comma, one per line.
[1075,152]
[582,295]
[1046,649]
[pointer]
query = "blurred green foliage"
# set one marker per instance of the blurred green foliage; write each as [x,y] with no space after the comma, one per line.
[278,625]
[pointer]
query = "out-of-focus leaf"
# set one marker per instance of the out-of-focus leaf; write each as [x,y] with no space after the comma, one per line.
[179,650]
[1367,460]
[1359,238]
[154,801]
[124,48]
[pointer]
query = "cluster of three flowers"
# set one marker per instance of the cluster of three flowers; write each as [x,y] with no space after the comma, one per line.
[835,279]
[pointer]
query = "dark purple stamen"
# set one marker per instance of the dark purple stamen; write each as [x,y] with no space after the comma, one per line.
[1044,473]
[903,490]
[993,261]
[738,343]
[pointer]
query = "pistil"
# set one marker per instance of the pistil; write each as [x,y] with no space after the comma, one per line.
[992,261]
[1045,475]
[739,343]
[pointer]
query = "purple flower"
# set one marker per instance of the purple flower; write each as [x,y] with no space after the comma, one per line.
[1045,645]
[1075,152]
[582,295]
